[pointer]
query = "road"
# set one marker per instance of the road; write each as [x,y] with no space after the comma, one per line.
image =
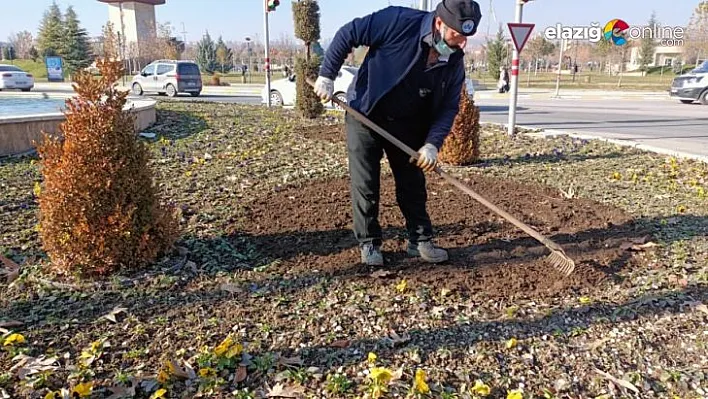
[650,119]
[657,124]
[665,124]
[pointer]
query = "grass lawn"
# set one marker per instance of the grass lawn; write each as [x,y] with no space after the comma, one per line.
[264,294]
[36,68]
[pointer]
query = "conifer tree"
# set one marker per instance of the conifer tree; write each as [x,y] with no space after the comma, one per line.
[51,32]
[306,14]
[206,54]
[76,49]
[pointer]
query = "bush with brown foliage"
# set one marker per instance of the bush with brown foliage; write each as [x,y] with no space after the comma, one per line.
[98,207]
[308,105]
[461,147]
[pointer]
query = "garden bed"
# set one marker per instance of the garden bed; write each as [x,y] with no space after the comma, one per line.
[267,257]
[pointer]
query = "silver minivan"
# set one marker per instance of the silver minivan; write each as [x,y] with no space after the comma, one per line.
[169,77]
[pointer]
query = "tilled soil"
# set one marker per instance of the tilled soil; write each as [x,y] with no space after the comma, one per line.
[332,133]
[309,228]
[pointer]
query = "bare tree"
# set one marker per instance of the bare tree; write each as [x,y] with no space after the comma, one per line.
[22,42]
[162,44]
[190,52]
[697,34]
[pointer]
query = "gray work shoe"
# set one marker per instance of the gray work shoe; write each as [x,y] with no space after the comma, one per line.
[371,255]
[428,251]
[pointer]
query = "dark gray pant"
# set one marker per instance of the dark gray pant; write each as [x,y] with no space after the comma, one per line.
[366,148]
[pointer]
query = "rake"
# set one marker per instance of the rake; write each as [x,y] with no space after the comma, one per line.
[557,259]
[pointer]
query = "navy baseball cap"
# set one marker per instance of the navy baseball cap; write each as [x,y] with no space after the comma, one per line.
[461,15]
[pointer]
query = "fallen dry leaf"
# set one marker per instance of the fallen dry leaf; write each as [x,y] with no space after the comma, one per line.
[149,385]
[638,245]
[241,374]
[191,374]
[28,365]
[644,246]
[596,344]
[11,271]
[397,375]
[290,361]
[381,273]
[281,391]
[702,308]
[617,381]
[176,370]
[10,324]
[231,288]
[342,343]
[397,339]
[122,392]
[699,306]
[111,316]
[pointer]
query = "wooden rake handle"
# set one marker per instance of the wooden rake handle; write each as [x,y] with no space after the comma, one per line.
[466,189]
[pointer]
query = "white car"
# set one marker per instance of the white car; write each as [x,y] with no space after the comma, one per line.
[282,91]
[12,77]
[692,86]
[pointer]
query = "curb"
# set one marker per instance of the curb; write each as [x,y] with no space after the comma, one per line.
[625,143]
[495,96]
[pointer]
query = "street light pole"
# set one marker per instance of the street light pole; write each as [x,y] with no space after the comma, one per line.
[248,45]
[267,54]
[515,73]
[560,67]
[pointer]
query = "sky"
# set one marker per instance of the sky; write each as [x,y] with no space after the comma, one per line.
[238,19]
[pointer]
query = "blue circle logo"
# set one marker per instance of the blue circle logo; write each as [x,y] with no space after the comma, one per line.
[468,26]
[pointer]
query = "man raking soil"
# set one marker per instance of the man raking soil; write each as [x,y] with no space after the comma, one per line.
[409,84]
[405,96]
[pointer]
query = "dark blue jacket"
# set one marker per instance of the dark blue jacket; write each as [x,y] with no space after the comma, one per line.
[394,36]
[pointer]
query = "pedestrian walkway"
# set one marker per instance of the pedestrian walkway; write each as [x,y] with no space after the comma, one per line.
[576,94]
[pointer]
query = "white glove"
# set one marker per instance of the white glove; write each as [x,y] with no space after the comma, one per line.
[324,88]
[427,157]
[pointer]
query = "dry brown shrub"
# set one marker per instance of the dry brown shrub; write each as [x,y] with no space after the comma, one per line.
[461,147]
[98,207]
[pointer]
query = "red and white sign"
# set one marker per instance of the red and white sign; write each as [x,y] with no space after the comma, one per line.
[520,33]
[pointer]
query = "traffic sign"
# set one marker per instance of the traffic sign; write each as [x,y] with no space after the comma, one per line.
[520,33]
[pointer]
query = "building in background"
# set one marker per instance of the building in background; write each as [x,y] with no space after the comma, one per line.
[663,56]
[136,27]
[134,20]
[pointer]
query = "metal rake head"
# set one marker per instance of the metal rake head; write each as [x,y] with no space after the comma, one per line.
[561,262]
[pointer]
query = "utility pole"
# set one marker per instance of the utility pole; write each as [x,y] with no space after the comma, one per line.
[122,40]
[267,52]
[184,34]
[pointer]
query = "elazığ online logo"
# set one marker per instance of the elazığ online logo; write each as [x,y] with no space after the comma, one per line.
[614,31]
[617,32]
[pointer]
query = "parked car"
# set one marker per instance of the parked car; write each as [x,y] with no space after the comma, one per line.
[12,77]
[169,77]
[692,86]
[282,91]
